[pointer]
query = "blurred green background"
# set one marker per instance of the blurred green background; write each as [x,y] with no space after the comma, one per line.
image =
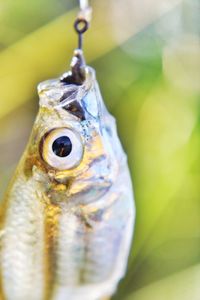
[147,58]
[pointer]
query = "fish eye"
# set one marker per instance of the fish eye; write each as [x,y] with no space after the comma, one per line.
[62,148]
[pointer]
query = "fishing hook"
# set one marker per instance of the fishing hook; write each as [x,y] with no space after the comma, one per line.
[82,21]
[77,74]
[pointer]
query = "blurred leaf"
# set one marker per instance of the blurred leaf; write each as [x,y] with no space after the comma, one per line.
[181,286]
[14,14]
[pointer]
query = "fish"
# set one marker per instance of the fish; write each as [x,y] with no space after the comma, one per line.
[68,215]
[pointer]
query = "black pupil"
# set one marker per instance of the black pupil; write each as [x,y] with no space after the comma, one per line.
[62,146]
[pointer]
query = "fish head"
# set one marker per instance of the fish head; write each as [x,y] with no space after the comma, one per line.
[74,151]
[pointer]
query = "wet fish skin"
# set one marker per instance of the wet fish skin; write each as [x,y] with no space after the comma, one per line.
[66,233]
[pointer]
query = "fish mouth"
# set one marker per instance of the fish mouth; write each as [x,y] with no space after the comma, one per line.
[80,101]
[57,94]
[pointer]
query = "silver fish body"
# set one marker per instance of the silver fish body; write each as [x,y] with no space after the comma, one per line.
[68,215]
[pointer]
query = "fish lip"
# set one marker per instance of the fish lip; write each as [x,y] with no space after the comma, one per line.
[52,91]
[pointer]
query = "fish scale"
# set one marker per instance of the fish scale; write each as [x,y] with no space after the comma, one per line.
[22,244]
